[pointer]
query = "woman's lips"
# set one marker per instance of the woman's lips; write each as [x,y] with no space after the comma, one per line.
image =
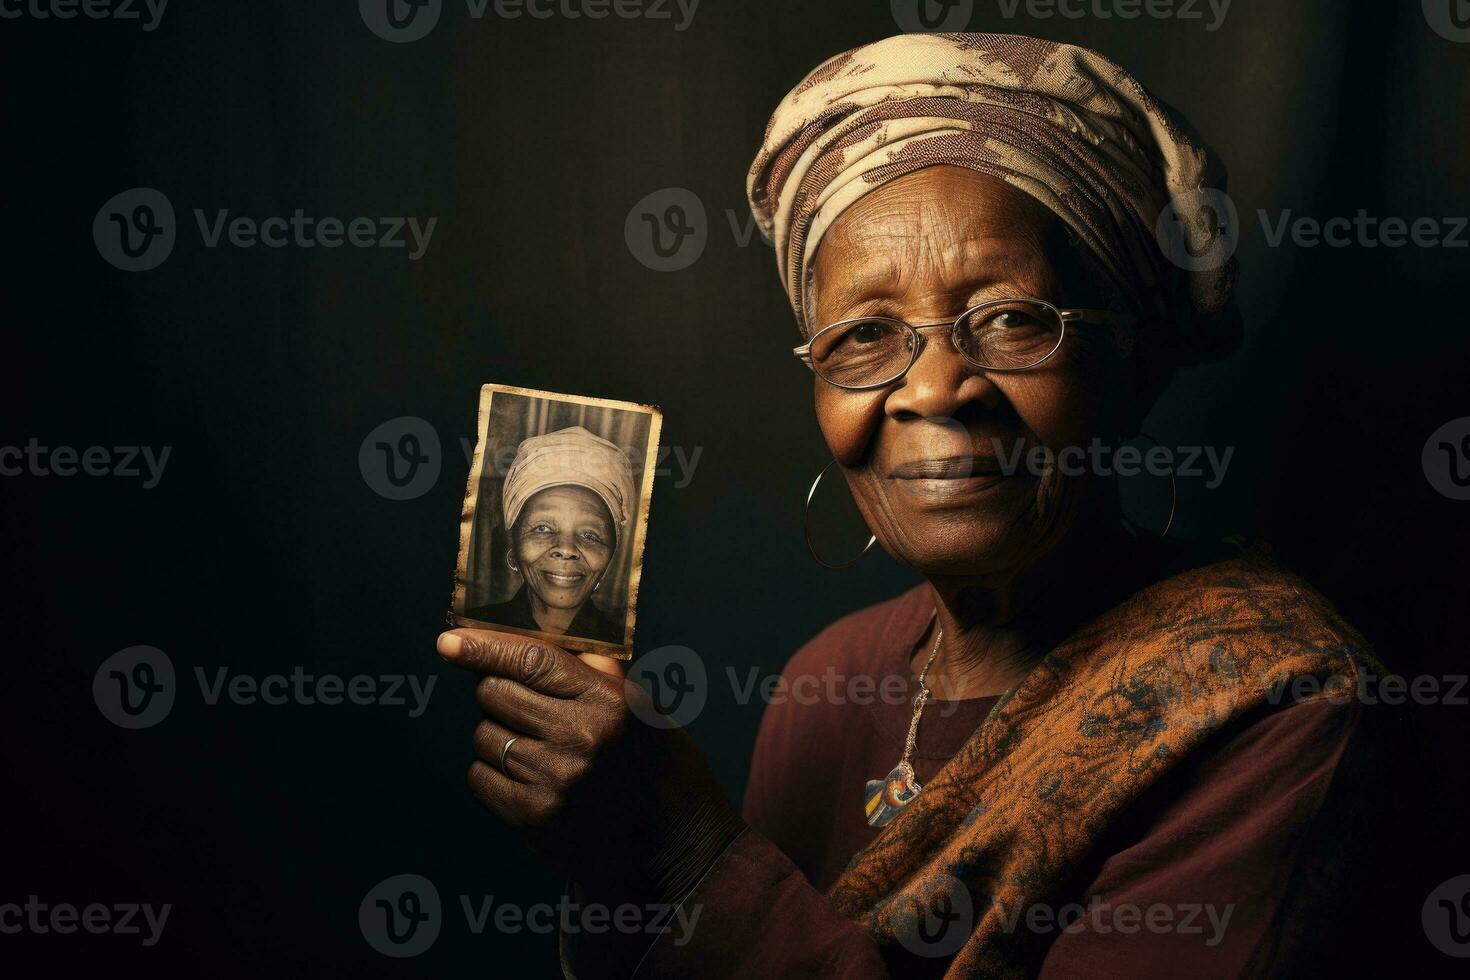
[563,578]
[956,479]
[949,468]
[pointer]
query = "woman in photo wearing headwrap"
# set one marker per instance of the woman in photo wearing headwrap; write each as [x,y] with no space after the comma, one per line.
[1092,769]
[565,501]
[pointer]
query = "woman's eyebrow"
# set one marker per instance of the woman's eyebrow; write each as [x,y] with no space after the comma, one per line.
[1016,265]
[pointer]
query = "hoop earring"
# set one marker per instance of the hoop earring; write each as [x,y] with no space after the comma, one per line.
[1173,495]
[510,560]
[806,530]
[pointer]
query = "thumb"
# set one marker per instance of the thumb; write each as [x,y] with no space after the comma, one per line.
[607,665]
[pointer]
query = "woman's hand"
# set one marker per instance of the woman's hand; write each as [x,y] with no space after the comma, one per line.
[598,791]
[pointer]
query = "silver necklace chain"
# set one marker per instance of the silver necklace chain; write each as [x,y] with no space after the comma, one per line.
[920,700]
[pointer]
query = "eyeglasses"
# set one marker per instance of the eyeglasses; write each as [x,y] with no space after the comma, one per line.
[1000,335]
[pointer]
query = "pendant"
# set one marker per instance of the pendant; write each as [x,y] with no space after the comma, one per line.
[887,796]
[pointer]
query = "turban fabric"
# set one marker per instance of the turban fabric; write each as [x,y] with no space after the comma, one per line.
[569,457]
[1060,123]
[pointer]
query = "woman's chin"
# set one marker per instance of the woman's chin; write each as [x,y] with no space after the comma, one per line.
[974,546]
[561,596]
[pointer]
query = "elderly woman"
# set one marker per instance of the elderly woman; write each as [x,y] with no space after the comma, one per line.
[565,500]
[1109,757]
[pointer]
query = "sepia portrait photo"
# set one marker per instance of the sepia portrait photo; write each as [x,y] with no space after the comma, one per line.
[556,507]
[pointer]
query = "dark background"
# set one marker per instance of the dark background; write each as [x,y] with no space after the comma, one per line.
[264,548]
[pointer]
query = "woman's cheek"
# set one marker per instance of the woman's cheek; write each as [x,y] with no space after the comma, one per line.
[527,553]
[1053,407]
[597,558]
[848,420]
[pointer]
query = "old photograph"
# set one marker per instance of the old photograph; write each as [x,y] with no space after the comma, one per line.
[551,537]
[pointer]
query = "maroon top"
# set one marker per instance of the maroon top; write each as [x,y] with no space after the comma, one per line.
[1200,880]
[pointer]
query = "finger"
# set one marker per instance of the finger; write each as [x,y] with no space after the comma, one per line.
[546,668]
[524,762]
[610,666]
[519,805]
[520,708]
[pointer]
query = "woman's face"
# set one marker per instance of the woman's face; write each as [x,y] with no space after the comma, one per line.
[562,542]
[924,456]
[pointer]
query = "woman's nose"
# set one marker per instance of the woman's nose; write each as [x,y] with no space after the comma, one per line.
[939,383]
[566,549]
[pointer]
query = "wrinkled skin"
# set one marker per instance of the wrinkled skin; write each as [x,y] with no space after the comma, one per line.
[924,249]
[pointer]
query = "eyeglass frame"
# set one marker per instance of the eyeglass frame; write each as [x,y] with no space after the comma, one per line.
[1105,318]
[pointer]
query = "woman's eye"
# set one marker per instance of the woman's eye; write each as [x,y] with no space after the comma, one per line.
[539,529]
[592,536]
[867,333]
[1012,319]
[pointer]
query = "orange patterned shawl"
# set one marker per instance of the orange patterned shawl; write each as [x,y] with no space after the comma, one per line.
[1091,727]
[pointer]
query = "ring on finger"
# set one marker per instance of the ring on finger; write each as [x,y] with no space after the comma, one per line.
[505,751]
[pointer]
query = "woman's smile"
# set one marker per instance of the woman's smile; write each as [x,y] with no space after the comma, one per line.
[567,579]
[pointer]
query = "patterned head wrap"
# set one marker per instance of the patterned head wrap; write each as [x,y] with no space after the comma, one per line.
[573,457]
[1060,123]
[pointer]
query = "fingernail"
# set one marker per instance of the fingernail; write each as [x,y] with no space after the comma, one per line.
[449,645]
